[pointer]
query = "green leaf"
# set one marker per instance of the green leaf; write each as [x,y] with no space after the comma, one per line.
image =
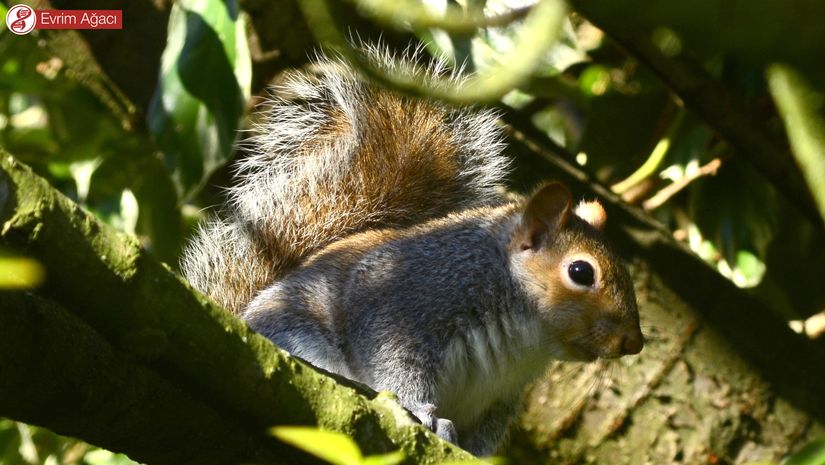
[20,273]
[205,78]
[595,80]
[812,454]
[27,449]
[748,270]
[801,106]
[9,441]
[81,172]
[335,448]
[104,457]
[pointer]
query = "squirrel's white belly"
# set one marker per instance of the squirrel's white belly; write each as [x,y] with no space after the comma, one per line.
[489,363]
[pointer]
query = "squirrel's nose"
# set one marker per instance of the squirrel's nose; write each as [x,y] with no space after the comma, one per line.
[632,343]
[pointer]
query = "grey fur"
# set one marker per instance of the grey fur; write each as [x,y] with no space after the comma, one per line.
[435,315]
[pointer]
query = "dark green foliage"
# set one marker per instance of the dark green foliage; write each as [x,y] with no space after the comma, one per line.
[204,83]
[21,444]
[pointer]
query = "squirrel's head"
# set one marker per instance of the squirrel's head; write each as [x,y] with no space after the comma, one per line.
[580,288]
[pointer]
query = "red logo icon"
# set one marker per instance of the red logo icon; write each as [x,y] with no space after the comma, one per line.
[21,19]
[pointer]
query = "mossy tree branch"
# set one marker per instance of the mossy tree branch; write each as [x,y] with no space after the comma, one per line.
[134,343]
[60,372]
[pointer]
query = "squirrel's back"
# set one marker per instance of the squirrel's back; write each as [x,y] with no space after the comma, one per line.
[332,156]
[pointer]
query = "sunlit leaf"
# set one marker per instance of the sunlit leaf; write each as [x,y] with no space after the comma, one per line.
[335,448]
[496,44]
[20,273]
[595,80]
[812,454]
[27,448]
[82,173]
[748,270]
[801,106]
[104,457]
[128,211]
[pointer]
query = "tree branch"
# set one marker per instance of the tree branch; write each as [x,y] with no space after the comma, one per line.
[708,169]
[152,317]
[59,372]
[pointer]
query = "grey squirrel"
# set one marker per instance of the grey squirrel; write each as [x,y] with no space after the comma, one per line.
[368,235]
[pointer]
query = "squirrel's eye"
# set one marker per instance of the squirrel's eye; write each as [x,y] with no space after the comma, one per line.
[581,273]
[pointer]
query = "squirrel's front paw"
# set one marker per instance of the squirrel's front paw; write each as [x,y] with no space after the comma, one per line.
[445,429]
[442,427]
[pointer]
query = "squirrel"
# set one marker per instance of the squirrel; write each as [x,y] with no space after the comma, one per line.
[368,235]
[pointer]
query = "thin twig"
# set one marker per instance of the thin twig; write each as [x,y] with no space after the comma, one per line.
[674,188]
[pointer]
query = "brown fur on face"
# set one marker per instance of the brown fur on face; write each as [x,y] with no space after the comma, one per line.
[588,322]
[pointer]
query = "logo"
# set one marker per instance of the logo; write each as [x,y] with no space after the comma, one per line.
[21,19]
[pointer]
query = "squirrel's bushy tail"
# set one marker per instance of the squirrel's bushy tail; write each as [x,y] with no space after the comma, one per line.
[335,155]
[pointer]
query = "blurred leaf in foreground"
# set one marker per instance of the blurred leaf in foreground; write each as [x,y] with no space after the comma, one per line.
[20,273]
[335,448]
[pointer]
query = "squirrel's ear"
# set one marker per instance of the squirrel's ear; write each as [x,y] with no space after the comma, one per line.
[546,212]
[592,212]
